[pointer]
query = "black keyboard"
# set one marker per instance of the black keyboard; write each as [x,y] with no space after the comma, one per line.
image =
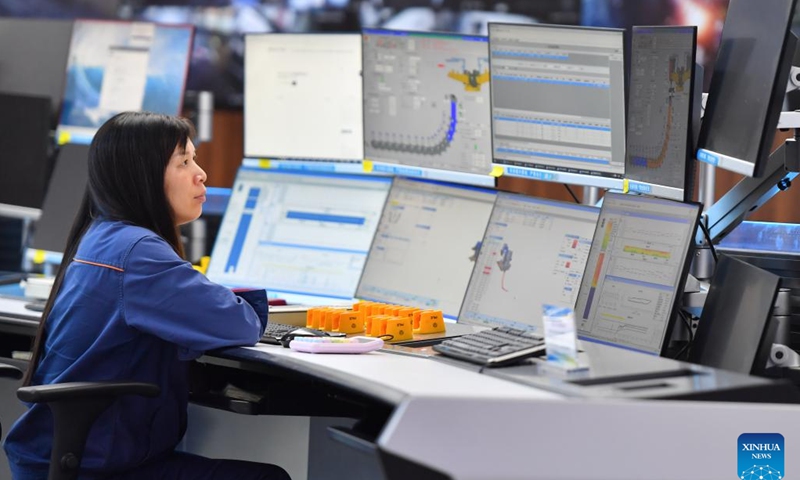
[498,347]
[275,331]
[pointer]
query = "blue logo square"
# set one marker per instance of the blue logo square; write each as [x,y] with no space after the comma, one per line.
[760,456]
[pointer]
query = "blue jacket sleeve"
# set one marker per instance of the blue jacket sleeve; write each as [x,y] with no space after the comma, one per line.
[164,296]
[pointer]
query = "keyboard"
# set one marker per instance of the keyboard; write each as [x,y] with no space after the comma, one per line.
[275,331]
[498,347]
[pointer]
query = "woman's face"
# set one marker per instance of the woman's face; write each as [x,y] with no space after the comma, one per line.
[184,184]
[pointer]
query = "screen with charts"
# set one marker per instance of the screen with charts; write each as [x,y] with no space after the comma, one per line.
[636,271]
[302,236]
[659,157]
[303,97]
[426,245]
[558,103]
[122,66]
[426,105]
[533,253]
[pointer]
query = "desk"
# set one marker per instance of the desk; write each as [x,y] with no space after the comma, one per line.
[445,422]
[423,418]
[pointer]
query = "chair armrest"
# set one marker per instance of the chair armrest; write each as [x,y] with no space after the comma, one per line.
[77,390]
[10,371]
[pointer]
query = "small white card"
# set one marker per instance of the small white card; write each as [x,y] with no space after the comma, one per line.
[560,337]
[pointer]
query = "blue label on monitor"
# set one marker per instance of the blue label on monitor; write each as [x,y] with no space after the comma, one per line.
[396,170]
[306,166]
[707,157]
[761,456]
[639,187]
[536,174]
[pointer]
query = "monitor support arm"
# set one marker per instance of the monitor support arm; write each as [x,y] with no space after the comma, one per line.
[751,193]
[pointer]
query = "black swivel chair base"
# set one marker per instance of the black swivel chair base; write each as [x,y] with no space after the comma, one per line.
[75,407]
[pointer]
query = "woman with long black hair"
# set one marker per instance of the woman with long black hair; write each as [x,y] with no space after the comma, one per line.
[125,305]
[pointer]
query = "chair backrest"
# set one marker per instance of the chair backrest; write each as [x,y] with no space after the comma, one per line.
[8,371]
[75,407]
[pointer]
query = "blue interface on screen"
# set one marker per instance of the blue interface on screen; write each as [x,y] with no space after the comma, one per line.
[303,236]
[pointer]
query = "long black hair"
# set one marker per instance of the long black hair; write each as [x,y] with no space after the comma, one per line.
[127,160]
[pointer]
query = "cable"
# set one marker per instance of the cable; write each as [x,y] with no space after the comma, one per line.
[707,234]
[572,193]
[687,346]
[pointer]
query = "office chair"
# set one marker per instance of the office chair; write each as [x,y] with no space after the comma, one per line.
[75,407]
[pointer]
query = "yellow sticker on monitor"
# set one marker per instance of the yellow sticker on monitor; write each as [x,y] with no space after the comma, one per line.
[367,166]
[497,171]
[263,163]
[38,257]
[64,138]
[625,185]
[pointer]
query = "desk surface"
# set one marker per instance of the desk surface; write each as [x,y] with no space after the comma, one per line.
[472,425]
[475,426]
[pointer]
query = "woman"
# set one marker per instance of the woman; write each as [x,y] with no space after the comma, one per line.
[126,306]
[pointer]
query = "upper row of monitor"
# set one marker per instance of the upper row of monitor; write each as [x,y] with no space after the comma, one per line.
[552,108]
[538,101]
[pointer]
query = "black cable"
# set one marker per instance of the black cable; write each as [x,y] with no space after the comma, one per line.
[707,234]
[689,343]
[572,193]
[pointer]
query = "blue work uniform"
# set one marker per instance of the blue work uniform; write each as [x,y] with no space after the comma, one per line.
[130,308]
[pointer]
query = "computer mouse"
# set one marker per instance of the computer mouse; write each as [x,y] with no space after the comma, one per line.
[304,332]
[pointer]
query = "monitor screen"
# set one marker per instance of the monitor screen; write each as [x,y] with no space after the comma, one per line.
[46,41]
[659,159]
[426,245]
[302,97]
[24,149]
[533,253]
[426,105]
[63,200]
[558,103]
[743,109]
[735,318]
[636,271]
[303,236]
[122,66]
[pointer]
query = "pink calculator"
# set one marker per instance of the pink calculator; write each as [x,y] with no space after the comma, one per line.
[335,345]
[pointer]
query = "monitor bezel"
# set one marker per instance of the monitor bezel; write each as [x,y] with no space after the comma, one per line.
[66,133]
[395,181]
[686,193]
[321,160]
[550,175]
[311,174]
[677,299]
[523,197]
[774,102]
[487,180]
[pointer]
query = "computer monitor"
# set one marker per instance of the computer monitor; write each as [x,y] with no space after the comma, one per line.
[63,200]
[24,150]
[636,272]
[558,103]
[533,253]
[426,245]
[659,158]
[33,60]
[748,86]
[122,66]
[426,105]
[733,332]
[303,236]
[303,97]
